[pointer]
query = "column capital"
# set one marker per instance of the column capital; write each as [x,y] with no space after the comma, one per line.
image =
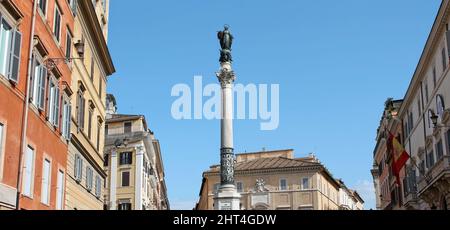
[226,76]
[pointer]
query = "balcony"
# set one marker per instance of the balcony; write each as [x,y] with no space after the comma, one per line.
[441,168]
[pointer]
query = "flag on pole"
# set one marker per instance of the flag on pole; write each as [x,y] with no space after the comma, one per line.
[399,155]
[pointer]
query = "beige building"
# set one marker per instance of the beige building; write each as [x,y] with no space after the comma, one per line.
[85,174]
[133,163]
[423,127]
[276,180]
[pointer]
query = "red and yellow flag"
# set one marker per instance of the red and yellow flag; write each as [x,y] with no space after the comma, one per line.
[399,154]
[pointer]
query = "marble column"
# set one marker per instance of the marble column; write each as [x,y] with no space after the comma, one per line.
[227,197]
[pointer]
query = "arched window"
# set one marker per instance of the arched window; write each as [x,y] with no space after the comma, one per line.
[440,106]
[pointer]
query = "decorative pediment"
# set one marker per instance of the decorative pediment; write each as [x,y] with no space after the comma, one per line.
[67,89]
[12,9]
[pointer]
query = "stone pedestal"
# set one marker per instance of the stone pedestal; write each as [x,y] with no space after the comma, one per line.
[227,198]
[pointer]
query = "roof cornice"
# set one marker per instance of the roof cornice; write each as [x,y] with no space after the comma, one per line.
[432,42]
[88,12]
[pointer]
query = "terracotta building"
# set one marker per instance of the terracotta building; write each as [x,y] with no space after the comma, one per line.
[34,89]
[275,180]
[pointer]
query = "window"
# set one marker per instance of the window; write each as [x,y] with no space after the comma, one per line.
[91,113]
[98,186]
[127,127]
[239,187]
[126,158]
[430,122]
[45,190]
[444,60]
[106,160]
[434,77]
[283,184]
[440,106]
[448,142]
[427,96]
[305,184]
[68,45]
[73,6]
[439,150]
[57,24]
[104,5]
[27,184]
[106,130]
[430,160]
[78,168]
[53,102]
[100,86]
[67,109]
[43,6]
[99,128]
[89,178]
[92,67]
[10,48]
[419,107]
[124,206]
[125,179]
[60,190]
[38,84]
[81,104]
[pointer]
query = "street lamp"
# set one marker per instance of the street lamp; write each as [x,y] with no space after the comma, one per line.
[51,63]
[434,119]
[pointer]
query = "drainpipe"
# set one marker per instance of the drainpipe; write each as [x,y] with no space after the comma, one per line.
[27,99]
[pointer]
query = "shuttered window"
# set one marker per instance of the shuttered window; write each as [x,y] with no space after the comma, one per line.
[54,102]
[98,186]
[45,189]
[67,108]
[60,190]
[78,169]
[38,84]
[89,178]
[57,24]
[27,183]
[10,48]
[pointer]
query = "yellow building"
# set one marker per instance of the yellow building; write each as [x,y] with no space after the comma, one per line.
[133,163]
[85,174]
[276,181]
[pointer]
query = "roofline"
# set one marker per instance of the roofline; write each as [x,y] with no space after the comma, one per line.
[125,117]
[429,45]
[272,151]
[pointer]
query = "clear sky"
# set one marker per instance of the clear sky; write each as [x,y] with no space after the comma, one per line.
[336,63]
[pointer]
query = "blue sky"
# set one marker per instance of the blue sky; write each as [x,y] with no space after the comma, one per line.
[336,63]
